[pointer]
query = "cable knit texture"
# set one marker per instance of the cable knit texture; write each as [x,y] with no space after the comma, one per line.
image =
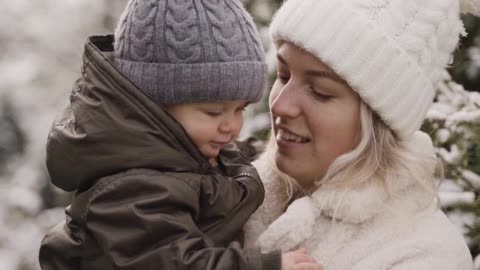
[392,52]
[183,51]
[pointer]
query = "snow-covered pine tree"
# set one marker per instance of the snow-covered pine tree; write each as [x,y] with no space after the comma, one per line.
[454,125]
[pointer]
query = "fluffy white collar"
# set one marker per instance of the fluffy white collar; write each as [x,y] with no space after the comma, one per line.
[353,205]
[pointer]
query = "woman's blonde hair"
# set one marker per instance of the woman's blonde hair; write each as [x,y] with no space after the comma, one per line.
[379,156]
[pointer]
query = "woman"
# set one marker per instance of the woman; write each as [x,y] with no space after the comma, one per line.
[348,174]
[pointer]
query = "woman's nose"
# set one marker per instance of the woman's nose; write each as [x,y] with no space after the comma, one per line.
[285,103]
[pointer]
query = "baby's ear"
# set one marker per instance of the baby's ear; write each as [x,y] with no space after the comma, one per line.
[251,148]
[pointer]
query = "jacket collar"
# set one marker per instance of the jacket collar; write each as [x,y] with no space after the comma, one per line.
[350,205]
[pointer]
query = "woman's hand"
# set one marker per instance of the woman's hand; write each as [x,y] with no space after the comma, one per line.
[299,260]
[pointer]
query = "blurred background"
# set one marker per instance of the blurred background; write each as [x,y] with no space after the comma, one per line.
[41,45]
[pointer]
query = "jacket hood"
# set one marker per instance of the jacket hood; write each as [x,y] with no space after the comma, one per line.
[111,126]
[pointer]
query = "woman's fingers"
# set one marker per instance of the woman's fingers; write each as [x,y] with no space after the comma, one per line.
[299,260]
[301,255]
[302,250]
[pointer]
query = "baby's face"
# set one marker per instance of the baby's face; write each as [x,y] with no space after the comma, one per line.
[210,125]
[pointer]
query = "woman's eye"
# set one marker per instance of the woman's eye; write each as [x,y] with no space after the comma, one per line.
[320,96]
[283,79]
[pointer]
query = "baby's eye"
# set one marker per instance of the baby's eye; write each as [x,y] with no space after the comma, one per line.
[213,113]
[242,109]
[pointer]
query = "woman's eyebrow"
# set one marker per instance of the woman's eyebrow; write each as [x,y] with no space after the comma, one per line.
[280,58]
[326,74]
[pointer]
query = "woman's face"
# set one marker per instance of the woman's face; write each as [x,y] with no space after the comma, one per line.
[315,115]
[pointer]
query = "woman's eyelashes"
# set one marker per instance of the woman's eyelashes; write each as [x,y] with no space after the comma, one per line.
[316,94]
[283,78]
[320,96]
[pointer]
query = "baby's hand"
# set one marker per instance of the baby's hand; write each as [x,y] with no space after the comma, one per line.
[299,260]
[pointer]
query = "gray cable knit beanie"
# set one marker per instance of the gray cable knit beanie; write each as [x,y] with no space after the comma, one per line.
[184,51]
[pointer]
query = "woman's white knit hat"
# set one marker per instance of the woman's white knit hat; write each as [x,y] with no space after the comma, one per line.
[392,52]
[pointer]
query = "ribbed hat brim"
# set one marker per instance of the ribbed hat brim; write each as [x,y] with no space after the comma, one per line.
[186,83]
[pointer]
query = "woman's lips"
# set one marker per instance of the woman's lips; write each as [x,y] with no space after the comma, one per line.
[289,136]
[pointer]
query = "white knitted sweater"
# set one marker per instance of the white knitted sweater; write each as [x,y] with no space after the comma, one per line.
[372,231]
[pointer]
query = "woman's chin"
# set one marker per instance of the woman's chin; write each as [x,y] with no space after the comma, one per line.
[287,165]
[294,169]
